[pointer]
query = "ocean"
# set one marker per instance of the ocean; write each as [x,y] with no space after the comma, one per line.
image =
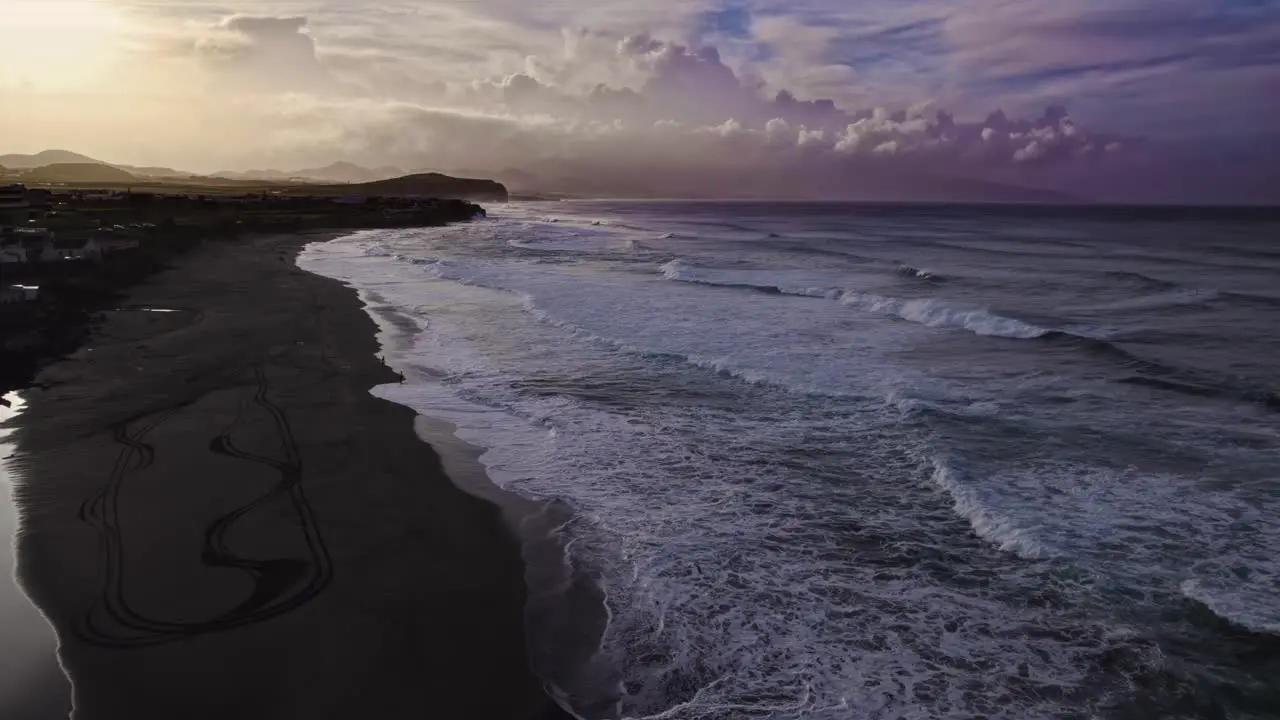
[853,461]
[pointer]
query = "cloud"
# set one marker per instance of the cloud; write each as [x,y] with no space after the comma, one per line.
[766,85]
[1160,67]
[284,99]
[693,89]
[264,53]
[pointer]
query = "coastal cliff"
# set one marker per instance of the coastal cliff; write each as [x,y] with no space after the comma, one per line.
[433,185]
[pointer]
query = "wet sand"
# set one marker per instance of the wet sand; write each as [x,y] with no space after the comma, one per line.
[32,685]
[222,522]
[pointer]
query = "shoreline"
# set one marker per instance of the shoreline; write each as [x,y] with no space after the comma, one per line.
[566,610]
[294,549]
[131,235]
[33,684]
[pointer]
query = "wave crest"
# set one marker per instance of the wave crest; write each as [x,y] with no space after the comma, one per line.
[1243,608]
[919,273]
[933,313]
[1170,378]
[1159,301]
[682,270]
[986,524]
[925,311]
[1137,278]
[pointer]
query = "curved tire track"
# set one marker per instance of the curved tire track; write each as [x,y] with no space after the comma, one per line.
[280,585]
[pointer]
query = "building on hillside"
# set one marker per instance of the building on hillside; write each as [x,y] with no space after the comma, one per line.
[16,294]
[13,253]
[27,245]
[15,209]
[39,198]
[78,249]
[115,238]
[100,195]
[108,244]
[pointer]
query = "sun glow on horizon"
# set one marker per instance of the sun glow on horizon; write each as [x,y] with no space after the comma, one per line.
[58,44]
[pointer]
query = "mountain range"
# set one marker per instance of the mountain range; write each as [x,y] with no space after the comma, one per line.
[338,172]
[553,179]
[338,179]
[66,157]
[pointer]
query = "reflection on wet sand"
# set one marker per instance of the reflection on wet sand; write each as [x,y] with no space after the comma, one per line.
[32,683]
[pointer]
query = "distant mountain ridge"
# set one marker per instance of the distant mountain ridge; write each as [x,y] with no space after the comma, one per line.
[78,172]
[337,179]
[560,179]
[45,157]
[338,172]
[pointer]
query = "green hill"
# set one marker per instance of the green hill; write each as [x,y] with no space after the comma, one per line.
[77,173]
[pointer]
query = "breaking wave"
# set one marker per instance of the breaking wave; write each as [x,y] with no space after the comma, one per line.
[682,270]
[937,314]
[919,273]
[1254,611]
[864,526]
[986,523]
[925,311]
[1170,378]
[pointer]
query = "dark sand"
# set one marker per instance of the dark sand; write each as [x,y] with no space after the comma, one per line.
[222,522]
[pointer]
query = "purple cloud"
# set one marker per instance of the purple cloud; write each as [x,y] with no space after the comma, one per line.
[1175,96]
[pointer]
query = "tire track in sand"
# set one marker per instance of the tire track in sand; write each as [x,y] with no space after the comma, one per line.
[280,585]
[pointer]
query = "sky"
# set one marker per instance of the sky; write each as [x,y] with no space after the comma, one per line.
[1149,100]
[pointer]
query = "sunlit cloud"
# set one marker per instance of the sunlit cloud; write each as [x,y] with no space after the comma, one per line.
[51,44]
[1028,92]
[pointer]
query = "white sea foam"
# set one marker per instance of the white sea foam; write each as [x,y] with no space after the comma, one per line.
[728,588]
[920,273]
[938,314]
[1252,608]
[800,284]
[1129,524]
[988,524]
[763,547]
[930,312]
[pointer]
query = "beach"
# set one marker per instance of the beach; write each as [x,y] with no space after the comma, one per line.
[221,521]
